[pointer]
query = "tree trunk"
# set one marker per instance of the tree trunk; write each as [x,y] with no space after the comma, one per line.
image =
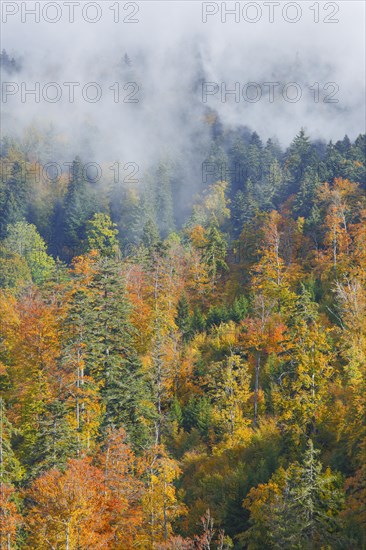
[256,389]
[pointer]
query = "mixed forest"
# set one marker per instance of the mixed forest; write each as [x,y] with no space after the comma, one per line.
[182,365]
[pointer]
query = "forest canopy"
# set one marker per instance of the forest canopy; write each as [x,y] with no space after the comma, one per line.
[184,368]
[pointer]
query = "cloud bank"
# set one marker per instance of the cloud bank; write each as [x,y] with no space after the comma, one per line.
[171,56]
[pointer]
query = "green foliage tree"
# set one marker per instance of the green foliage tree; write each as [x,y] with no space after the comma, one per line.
[78,207]
[14,270]
[101,235]
[183,318]
[10,468]
[111,356]
[215,253]
[14,195]
[298,508]
[299,156]
[23,239]
[150,235]
[164,197]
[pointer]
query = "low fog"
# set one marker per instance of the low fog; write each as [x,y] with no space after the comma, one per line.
[169,52]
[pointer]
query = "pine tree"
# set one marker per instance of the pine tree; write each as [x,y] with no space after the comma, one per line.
[56,441]
[150,235]
[215,167]
[164,209]
[299,156]
[344,146]
[273,184]
[215,253]
[10,472]
[14,198]
[298,508]
[251,205]
[254,158]
[183,319]
[111,356]
[79,205]
[238,213]
[81,391]
[238,166]
[10,469]
[127,212]
[306,196]
[198,322]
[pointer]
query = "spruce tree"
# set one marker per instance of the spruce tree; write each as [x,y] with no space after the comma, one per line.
[14,197]
[79,205]
[183,320]
[298,509]
[215,253]
[238,165]
[55,442]
[238,213]
[307,193]
[10,469]
[10,473]
[164,209]
[299,156]
[150,235]
[254,158]
[112,358]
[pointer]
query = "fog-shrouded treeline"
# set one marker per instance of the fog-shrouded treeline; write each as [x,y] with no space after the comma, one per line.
[182,363]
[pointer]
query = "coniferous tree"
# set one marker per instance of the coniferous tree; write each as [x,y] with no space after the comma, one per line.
[254,158]
[127,213]
[150,235]
[298,508]
[81,391]
[79,205]
[14,197]
[198,322]
[10,467]
[215,253]
[112,358]
[299,156]
[164,197]
[307,192]
[238,213]
[56,440]
[10,473]
[183,319]
[238,166]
